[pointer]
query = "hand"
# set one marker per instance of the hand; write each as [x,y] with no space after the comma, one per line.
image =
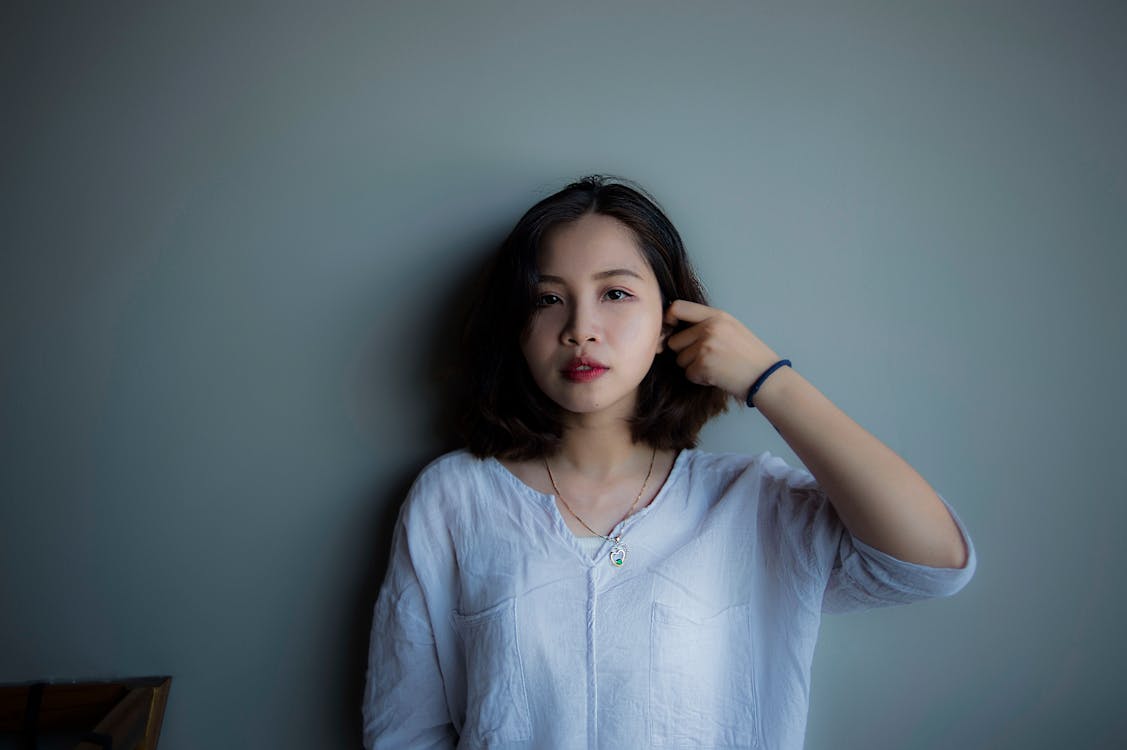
[716,349]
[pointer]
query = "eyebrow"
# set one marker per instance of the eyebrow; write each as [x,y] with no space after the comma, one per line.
[598,276]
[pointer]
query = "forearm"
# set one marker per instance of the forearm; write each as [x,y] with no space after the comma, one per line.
[879,497]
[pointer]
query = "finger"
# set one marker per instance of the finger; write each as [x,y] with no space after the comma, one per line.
[681,339]
[683,311]
[686,356]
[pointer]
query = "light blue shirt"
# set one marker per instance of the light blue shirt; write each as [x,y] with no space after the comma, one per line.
[495,628]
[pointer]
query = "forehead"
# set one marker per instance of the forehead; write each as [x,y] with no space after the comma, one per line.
[592,243]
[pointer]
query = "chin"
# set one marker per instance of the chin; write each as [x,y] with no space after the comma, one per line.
[589,407]
[577,406]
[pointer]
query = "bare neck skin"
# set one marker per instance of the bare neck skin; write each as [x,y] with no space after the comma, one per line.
[599,469]
[599,448]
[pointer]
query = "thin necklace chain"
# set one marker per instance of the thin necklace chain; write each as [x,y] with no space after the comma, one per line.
[629,513]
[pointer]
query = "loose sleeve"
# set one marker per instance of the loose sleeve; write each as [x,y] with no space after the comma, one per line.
[404,699]
[850,574]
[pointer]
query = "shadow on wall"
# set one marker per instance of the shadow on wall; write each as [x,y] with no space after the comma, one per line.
[436,373]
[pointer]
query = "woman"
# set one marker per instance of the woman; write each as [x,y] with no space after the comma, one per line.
[580,575]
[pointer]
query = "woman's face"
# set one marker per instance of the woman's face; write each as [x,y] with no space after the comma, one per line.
[598,323]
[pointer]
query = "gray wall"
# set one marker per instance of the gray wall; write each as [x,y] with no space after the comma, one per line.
[231,238]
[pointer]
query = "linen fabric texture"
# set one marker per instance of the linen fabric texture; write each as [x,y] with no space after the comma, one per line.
[497,628]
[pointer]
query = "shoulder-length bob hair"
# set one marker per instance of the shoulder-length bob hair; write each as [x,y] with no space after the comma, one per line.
[505,413]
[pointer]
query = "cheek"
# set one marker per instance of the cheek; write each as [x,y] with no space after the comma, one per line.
[538,342]
[528,348]
[645,327]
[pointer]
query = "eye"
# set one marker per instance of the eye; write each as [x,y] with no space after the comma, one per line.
[544,300]
[617,295]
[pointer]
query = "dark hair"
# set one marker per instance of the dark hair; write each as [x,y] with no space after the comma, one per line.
[505,413]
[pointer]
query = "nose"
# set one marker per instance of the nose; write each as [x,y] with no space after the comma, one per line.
[582,326]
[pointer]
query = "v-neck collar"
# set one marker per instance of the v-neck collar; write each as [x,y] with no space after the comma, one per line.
[559,525]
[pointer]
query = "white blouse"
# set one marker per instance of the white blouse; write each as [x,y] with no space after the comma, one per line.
[496,629]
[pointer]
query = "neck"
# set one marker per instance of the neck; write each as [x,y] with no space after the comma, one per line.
[601,451]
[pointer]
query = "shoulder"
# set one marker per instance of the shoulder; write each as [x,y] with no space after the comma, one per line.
[459,479]
[789,494]
[437,500]
[446,478]
[453,464]
[723,468]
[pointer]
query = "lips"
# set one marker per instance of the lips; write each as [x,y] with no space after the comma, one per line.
[583,370]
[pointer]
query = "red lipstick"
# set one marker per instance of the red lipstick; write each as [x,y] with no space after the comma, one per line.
[583,370]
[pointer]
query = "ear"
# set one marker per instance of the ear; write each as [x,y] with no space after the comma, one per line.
[666,332]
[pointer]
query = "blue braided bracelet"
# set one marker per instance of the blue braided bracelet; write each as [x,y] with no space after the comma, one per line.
[763,378]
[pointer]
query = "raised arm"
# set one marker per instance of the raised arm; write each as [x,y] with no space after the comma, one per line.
[879,497]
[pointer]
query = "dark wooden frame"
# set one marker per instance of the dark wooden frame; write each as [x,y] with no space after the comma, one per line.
[120,714]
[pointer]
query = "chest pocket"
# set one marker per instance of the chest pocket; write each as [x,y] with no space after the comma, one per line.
[496,700]
[702,687]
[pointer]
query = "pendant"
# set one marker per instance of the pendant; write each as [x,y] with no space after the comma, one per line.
[618,553]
